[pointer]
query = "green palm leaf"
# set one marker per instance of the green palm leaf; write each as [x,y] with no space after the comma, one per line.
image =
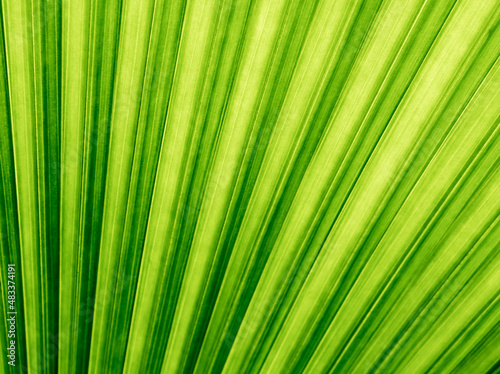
[195,186]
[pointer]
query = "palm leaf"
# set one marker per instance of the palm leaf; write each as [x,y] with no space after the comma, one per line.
[250,186]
